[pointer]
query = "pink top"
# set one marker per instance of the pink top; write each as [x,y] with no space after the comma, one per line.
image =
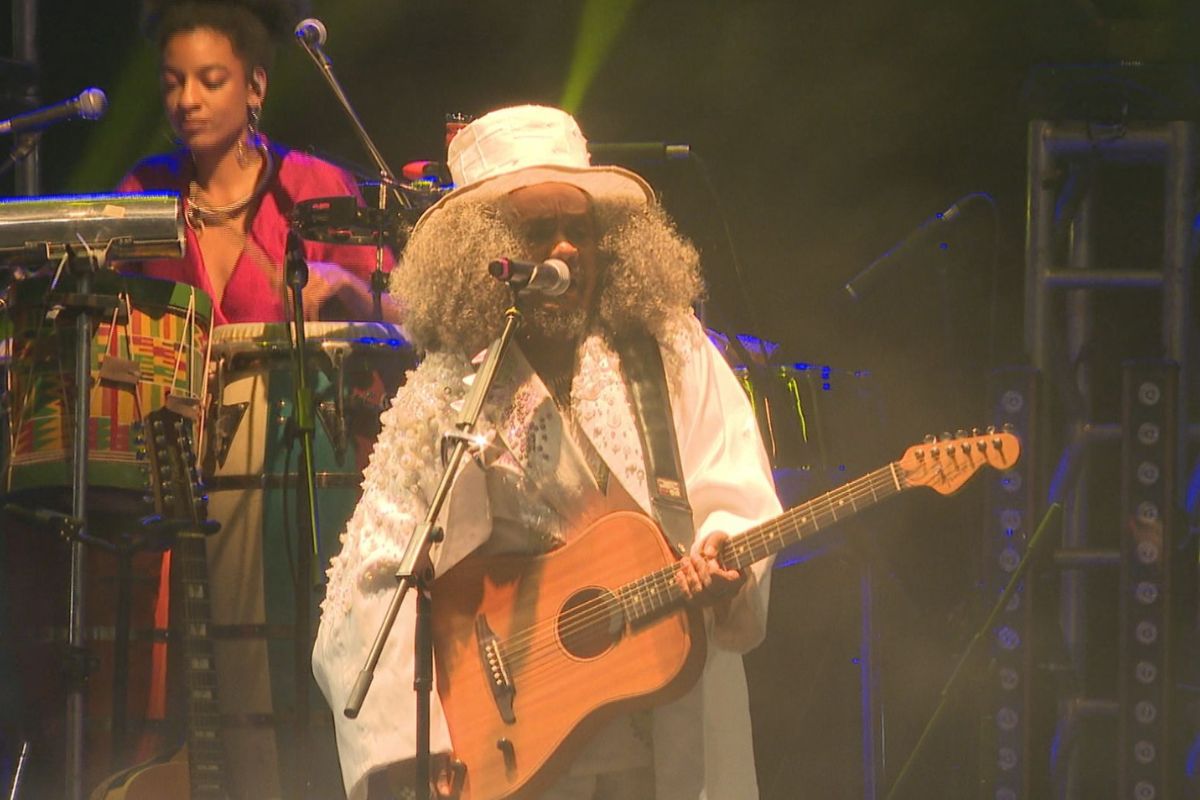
[256,291]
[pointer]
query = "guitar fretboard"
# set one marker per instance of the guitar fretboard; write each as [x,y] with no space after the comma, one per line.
[206,755]
[645,597]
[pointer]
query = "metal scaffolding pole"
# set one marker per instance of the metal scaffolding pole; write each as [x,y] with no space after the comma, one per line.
[1063,279]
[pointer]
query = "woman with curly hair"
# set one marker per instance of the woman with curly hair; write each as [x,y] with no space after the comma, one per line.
[238,187]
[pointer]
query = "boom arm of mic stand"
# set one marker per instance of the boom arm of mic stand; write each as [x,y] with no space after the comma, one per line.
[386,176]
[326,69]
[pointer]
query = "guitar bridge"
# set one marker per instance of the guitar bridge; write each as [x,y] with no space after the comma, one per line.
[497,671]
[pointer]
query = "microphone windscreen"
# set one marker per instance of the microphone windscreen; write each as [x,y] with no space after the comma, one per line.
[92,103]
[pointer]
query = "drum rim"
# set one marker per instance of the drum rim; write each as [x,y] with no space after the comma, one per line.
[270,334]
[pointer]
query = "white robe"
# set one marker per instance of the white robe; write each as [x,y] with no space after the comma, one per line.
[702,744]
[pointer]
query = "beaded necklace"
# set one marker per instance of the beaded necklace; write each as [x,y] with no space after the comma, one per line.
[200,214]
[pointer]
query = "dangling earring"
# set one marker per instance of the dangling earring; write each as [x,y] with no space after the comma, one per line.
[253,115]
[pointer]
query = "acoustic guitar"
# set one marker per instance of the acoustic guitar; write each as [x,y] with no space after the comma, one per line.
[197,769]
[535,653]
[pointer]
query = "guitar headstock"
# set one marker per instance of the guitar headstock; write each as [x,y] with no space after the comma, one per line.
[178,493]
[945,463]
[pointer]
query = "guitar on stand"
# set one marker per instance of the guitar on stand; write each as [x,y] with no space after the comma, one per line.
[536,652]
[197,769]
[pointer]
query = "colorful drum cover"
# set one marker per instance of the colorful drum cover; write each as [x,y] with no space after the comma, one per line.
[252,462]
[147,350]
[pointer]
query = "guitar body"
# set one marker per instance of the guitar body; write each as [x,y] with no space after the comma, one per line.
[568,660]
[534,653]
[150,782]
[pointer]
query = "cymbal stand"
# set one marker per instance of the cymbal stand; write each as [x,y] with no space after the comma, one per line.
[416,568]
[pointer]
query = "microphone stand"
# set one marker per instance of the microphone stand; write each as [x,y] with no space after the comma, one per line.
[972,648]
[310,561]
[416,569]
[387,178]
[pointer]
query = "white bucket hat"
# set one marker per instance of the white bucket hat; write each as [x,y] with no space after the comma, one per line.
[527,145]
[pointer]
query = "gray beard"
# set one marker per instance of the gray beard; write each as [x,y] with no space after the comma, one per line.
[565,325]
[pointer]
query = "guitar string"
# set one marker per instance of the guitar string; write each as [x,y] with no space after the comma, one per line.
[755,538]
[519,645]
[536,656]
[663,580]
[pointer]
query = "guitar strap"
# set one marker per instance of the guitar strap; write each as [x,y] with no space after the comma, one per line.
[645,378]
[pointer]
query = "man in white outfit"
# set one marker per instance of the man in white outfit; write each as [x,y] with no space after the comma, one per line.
[564,448]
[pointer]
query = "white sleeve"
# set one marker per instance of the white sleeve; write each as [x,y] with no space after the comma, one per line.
[725,466]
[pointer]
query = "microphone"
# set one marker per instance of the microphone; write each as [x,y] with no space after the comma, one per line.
[90,104]
[311,35]
[860,284]
[551,277]
[311,32]
[619,152]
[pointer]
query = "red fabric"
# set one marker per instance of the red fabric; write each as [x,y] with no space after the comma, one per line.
[254,292]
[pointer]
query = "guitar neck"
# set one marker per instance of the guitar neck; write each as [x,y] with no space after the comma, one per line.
[645,597]
[178,497]
[206,757]
[790,527]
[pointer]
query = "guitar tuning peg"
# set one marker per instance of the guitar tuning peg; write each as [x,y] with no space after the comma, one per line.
[991,429]
[930,438]
[960,434]
[946,436]
[1007,427]
[974,431]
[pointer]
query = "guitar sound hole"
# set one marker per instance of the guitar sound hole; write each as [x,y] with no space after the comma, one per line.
[589,623]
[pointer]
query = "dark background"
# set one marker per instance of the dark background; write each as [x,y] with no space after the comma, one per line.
[826,133]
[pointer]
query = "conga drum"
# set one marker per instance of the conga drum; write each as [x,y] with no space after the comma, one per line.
[146,353]
[253,471]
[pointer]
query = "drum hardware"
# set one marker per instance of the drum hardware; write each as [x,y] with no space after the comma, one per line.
[86,233]
[341,220]
[229,417]
[334,422]
[333,414]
